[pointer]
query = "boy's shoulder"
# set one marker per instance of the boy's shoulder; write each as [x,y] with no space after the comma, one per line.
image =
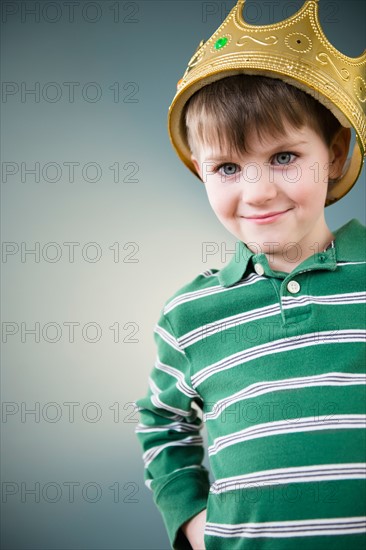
[205,283]
[353,225]
[206,293]
[351,241]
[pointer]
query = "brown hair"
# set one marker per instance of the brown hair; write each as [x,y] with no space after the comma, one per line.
[225,112]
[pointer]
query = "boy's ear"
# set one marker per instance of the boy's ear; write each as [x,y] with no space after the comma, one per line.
[338,152]
[196,165]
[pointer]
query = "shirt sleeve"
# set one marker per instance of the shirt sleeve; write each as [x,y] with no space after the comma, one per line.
[169,433]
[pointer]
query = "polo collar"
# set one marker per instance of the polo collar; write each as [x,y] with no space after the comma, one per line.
[349,245]
[350,242]
[235,269]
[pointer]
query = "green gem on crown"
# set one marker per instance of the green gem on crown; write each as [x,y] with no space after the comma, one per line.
[221,42]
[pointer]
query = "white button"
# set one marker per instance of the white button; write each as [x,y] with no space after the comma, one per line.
[293,287]
[259,269]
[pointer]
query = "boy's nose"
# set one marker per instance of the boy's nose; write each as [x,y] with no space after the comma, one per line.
[258,185]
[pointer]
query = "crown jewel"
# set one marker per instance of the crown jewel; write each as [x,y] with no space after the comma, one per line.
[294,50]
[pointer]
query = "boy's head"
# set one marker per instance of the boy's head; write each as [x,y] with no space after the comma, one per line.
[266,152]
[223,108]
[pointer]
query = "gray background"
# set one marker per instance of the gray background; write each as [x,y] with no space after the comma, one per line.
[137,237]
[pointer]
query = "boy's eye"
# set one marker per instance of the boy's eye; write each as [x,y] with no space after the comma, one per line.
[283,158]
[228,169]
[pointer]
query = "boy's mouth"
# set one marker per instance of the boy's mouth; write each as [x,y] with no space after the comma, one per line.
[268,217]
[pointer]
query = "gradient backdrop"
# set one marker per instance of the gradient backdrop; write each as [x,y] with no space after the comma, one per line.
[101,223]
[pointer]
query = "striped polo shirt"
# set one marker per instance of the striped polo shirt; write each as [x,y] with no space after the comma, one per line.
[274,364]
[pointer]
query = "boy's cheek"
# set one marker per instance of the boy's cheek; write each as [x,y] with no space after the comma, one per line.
[219,211]
[222,214]
[222,205]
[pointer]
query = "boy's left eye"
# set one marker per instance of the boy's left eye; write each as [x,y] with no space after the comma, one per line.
[283,158]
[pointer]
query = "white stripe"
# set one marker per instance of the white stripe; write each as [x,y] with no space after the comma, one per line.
[350,263]
[182,386]
[157,402]
[176,426]
[261,388]
[151,454]
[303,474]
[202,332]
[334,299]
[168,338]
[209,273]
[203,293]
[284,427]
[278,346]
[284,529]
[148,482]
[171,417]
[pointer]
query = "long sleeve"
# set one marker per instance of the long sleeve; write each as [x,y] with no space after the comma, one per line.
[169,432]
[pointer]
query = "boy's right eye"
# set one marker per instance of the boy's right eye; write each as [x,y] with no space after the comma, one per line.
[227,169]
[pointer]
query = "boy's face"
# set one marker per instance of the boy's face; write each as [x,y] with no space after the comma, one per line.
[274,195]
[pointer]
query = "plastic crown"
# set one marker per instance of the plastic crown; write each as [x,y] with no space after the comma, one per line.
[294,50]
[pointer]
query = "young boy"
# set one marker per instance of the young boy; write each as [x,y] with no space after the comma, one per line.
[269,351]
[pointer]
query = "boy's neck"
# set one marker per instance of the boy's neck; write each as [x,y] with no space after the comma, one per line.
[277,260]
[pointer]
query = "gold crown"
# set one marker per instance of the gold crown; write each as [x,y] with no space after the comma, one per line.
[294,50]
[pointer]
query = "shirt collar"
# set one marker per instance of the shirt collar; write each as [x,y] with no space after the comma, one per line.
[350,245]
[350,242]
[235,269]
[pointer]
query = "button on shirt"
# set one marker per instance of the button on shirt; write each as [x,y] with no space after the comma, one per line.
[259,269]
[293,287]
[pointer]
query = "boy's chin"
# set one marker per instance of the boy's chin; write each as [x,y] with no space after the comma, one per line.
[266,247]
[265,239]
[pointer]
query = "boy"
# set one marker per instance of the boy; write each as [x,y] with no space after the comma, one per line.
[270,350]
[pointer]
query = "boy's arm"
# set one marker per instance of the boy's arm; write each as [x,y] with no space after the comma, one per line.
[169,433]
[194,530]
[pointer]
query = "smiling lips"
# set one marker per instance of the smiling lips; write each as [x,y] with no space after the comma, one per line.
[266,218]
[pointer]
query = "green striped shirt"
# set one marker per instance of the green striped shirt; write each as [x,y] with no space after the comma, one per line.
[274,364]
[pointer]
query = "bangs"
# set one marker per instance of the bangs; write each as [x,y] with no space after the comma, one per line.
[227,113]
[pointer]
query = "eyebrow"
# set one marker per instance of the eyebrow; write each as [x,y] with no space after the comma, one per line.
[284,145]
[215,158]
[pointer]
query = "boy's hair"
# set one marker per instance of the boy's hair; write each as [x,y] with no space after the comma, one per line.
[226,112]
